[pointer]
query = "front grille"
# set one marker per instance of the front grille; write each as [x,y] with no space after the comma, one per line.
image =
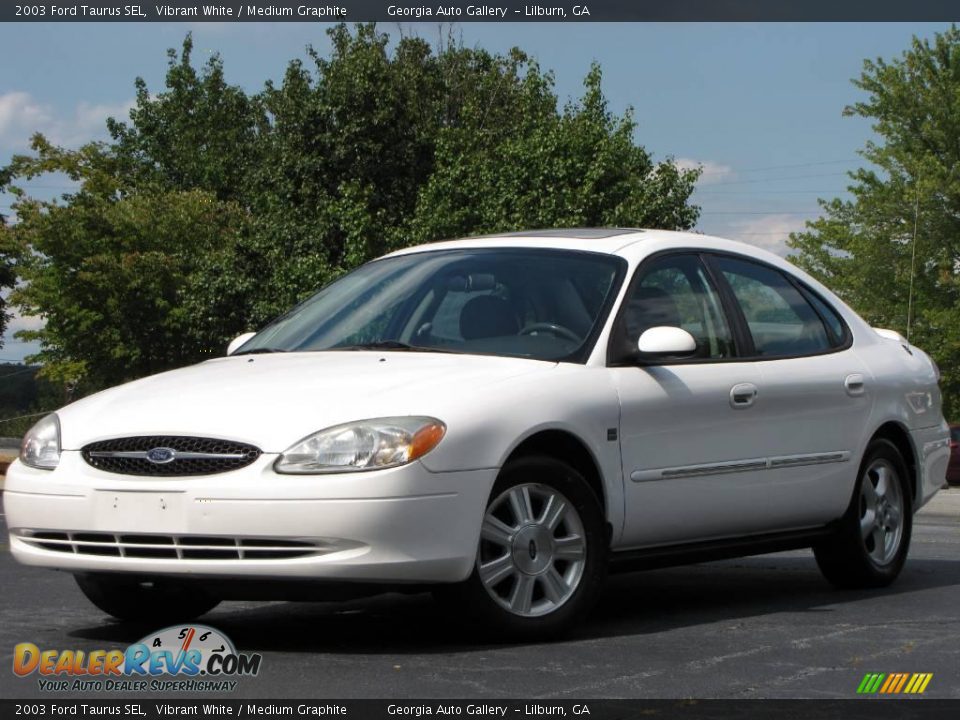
[191,455]
[171,547]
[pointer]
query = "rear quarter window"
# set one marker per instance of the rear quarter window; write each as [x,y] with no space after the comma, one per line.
[835,324]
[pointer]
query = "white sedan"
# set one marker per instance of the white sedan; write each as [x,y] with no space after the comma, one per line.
[498,419]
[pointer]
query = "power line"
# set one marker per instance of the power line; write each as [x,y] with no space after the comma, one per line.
[18,372]
[779,167]
[759,212]
[21,417]
[770,192]
[765,234]
[777,179]
[48,187]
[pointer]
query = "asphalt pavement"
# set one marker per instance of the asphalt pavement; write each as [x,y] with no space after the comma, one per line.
[761,627]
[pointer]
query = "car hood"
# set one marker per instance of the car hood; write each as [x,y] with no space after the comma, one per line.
[272,401]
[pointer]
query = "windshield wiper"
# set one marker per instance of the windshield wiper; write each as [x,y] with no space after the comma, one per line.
[392,345]
[259,351]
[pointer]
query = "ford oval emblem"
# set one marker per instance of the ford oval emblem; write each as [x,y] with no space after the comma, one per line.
[161,455]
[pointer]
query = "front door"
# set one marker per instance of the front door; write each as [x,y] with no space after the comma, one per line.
[689,437]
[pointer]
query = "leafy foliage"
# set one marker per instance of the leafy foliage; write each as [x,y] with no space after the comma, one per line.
[114,274]
[8,255]
[212,210]
[9,252]
[864,248]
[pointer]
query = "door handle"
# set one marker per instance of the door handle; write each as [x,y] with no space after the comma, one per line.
[743,395]
[854,384]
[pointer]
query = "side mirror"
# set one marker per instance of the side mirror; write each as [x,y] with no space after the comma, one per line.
[238,341]
[666,342]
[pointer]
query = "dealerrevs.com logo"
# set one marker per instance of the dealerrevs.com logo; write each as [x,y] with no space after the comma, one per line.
[185,658]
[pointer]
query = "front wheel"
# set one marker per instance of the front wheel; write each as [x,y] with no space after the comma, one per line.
[160,601]
[542,553]
[871,544]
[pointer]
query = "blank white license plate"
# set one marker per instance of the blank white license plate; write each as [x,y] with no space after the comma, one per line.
[140,512]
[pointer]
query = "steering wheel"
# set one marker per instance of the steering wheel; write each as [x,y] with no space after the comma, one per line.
[558,330]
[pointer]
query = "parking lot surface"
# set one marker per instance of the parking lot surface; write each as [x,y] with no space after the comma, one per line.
[761,627]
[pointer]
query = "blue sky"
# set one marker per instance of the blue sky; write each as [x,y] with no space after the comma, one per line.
[757,105]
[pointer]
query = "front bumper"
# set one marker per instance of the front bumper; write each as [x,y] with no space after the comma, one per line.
[401,525]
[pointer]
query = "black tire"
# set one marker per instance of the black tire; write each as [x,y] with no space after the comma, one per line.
[132,599]
[538,554]
[850,558]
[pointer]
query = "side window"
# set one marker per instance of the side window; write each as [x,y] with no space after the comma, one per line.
[675,291]
[780,320]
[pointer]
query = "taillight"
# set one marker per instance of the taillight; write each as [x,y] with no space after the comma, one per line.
[954,444]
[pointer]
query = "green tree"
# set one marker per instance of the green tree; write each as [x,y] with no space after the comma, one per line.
[199,133]
[524,165]
[8,277]
[902,226]
[114,275]
[9,252]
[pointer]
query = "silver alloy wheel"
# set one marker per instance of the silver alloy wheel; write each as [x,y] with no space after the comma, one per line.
[881,511]
[532,550]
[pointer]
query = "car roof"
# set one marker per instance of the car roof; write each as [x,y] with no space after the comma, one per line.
[630,243]
[602,240]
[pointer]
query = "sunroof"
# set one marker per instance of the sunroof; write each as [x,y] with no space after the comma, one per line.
[579,233]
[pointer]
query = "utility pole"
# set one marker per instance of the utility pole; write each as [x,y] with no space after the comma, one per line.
[913,256]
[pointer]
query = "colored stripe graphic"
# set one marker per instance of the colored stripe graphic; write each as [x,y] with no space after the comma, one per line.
[894,683]
[918,683]
[871,683]
[899,687]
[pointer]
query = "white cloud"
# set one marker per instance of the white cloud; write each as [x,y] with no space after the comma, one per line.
[24,322]
[769,232]
[13,348]
[22,115]
[713,172]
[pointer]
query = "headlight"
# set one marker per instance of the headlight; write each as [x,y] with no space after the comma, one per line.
[363,445]
[41,445]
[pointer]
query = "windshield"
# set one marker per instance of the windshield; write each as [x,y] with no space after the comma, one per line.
[543,304]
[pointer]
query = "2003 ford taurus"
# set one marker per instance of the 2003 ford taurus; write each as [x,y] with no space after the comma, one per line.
[499,420]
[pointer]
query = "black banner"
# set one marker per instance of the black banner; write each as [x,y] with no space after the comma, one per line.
[409,11]
[142,709]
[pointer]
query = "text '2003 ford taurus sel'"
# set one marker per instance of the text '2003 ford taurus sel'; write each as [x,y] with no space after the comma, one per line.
[497,419]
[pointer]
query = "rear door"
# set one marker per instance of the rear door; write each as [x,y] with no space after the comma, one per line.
[814,393]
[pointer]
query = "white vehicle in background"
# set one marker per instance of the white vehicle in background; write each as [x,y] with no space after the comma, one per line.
[497,419]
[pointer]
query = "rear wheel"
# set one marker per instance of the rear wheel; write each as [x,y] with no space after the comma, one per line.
[871,545]
[542,553]
[127,598]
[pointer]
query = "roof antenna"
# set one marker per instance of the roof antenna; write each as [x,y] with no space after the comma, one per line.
[913,258]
